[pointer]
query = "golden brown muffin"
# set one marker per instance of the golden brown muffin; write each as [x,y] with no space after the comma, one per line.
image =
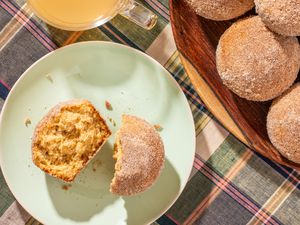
[139,152]
[256,63]
[281,16]
[283,123]
[67,138]
[221,9]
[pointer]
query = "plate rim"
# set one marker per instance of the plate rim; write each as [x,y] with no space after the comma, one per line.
[114,45]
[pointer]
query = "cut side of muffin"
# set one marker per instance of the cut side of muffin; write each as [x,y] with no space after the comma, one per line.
[67,138]
[139,155]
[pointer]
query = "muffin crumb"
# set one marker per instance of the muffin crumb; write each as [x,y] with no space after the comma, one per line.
[27,122]
[112,121]
[48,76]
[108,106]
[96,164]
[66,187]
[158,127]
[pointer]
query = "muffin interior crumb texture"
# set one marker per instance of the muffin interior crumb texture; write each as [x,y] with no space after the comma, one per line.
[139,155]
[67,138]
[283,124]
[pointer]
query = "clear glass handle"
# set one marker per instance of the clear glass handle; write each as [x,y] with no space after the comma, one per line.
[140,15]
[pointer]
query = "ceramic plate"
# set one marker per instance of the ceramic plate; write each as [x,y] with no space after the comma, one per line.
[98,71]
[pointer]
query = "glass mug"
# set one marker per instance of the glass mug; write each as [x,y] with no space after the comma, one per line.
[75,15]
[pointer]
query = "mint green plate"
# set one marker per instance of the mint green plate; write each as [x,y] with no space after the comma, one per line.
[98,71]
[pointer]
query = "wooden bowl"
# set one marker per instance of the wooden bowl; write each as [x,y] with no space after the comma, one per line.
[196,39]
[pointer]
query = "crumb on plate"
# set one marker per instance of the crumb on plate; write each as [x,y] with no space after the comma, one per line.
[158,127]
[112,121]
[48,76]
[108,105]
[97,163]
[66,186]
[27,122]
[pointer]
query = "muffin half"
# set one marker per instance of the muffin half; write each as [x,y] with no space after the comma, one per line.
[139,154]
[67,138]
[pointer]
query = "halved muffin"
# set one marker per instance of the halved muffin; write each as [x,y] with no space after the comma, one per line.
[139,154]
[67,138]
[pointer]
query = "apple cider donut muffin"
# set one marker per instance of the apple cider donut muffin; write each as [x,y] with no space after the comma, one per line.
[139,154]
[281,16]
[67,138]
[256,63]
[221,9]
[283,123]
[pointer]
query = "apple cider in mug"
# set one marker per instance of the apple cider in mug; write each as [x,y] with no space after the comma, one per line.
[85,14]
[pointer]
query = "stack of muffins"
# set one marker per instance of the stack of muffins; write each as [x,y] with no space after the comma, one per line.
[258,58]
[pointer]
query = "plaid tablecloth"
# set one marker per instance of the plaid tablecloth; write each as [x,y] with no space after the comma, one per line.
[229,183]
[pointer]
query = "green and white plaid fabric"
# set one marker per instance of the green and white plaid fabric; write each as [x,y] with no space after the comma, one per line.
[229,183]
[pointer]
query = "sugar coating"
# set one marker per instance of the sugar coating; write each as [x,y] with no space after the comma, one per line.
[67,138]
[256,63]
[139,152]
[283,123]
[220,9]
[281,16]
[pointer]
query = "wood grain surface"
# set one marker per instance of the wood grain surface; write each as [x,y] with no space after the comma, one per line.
[196,39]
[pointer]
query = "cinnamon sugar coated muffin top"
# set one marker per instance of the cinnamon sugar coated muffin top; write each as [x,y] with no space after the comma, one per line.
[220,9]
[139,152]
[281,16]
[256,63]
[283,124]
